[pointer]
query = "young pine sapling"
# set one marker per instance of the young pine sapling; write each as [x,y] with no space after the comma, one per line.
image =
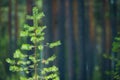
[32,64]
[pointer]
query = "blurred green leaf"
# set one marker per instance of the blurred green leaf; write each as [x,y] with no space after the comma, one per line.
[41,15]
[32,58]
[40,47]
[23,33]
[26,26]
[33,39]
[54,44]
[116,46]
[19,54]
[26,47]
[31,28]
[14,68]
[40,39]
[10,61]
[29,17]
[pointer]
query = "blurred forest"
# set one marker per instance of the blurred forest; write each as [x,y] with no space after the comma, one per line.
[86,29]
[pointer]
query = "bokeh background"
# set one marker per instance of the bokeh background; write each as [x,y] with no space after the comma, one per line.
[86,29]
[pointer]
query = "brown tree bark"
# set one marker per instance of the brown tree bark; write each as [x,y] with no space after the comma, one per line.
[54,18]
[16,23]
[76,39]
[9,19]
[29,6]
[10,26]
[91,43]
[70,42]
[61,36]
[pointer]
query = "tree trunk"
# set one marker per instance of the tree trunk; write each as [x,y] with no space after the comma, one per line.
[10,27]
[76,39]
[82,34]
[91,39]
[16,23]
[69,38]
[113,20]
[61,36]
[29,5]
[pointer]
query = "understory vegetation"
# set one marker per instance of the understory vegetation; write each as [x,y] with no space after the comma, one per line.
[29,59]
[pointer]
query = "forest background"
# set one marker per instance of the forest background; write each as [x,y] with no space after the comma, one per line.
[86,29]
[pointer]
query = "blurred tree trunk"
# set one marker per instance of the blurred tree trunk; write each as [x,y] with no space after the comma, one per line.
[30,5]
[54,19]
[10,27]
[54,27]
[92,21]
[106,63]
[113,14]
[118,15]
[69,38]
[91,39]
[100,37]
[107,26]
[82,34]
[47,7]
[113,20]
[76,39]
[61,37]
[9,31]
[16,23]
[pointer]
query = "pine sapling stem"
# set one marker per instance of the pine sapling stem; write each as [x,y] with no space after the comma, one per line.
[35,25]
[35,64]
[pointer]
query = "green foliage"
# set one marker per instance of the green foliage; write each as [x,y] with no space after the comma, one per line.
[22,62]
[116,45]
[116,49]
